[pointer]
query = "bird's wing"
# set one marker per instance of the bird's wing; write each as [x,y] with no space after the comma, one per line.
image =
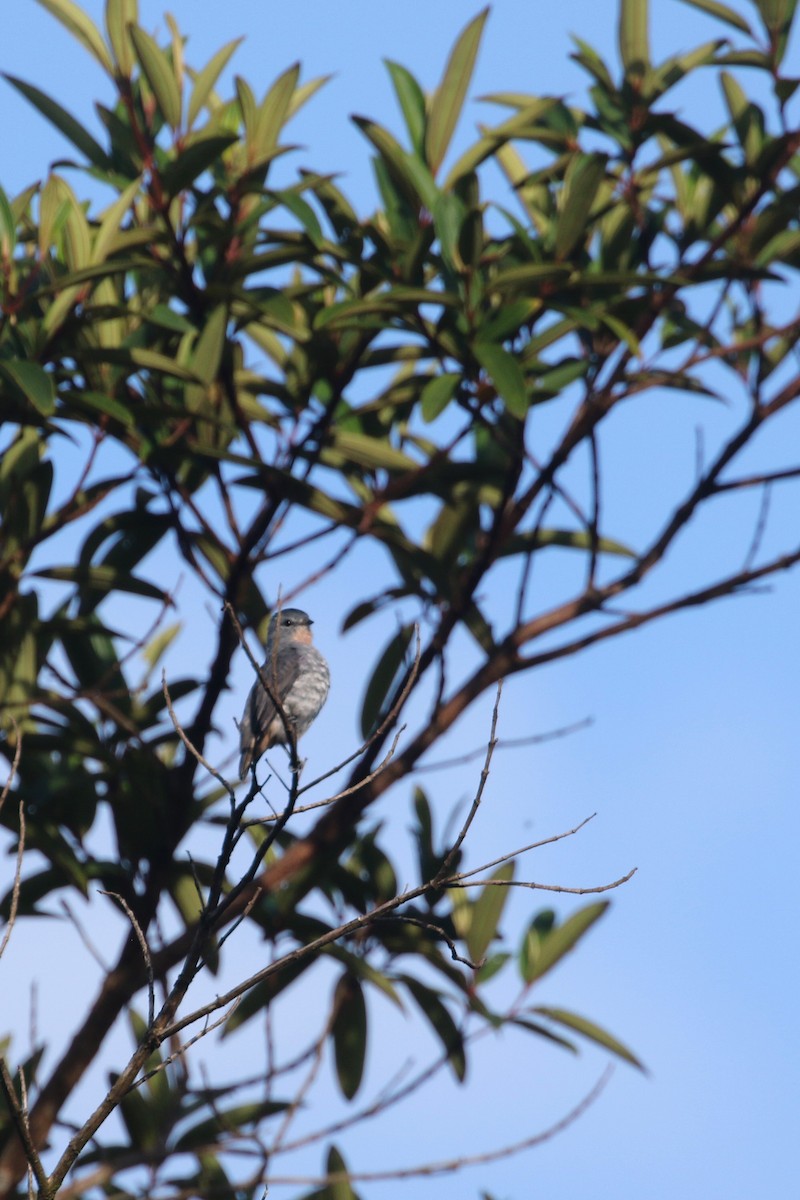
[280,672]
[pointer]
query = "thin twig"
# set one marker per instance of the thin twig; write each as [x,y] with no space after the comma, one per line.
[20,1120]
[384,725]
[556,837]
[189,744]
[137,929]
[15,887]
[14,762]
[184,1046]
[348,927]
[432,927]
[760,529]
[544,887]
[83,935]
[535,739]
[450,1166]
[476,803]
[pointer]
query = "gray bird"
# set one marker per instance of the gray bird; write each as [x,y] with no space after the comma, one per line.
[297,676]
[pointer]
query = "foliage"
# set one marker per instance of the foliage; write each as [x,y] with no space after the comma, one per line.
[202,342]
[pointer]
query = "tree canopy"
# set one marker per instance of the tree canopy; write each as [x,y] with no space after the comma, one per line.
[214,366]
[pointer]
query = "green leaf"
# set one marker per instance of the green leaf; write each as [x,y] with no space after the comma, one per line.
[591,1031]
[82,28]
[543,948]
[72,129]
[449,215]
[158,645]
[486,913]
[349,1033]
[102,579]
[381,685]
[272,114]
[119,15]
[448,99]
[196,157]
[506,375]
[32,381]
[206,79]
[339,1188]
[225,1121]
[442,1023]
[373,453]
[160,75]
[210,346]
[112,220]
[437,394]
[570,539]
[633,40]
[582,180]
[8,229]
[262,995]
[413,175]
[722,12]
[412,104]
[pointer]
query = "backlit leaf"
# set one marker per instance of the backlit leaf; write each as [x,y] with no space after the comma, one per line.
[448,99]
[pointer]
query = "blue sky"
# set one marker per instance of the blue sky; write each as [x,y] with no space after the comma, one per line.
[691,760]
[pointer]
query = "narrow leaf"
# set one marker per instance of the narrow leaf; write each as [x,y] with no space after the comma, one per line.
[582,180]
[591,1031]
[73,130]
[633,41]
[160,75]
[437,394]
[197,157]
[551,945]
[210,346]
[486,913]
[33,381]
[349,1034]
[722,12]
[206,79]
[442,1023]
[383,679]
[73,18]
[506,374]
[411,99]
[272,114]
[119,15]
[448,98]
[414,175]
[103,579]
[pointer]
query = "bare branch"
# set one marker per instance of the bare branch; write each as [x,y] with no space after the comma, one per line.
[142,940]
[476,803]
[545,887]
[452,1165]
[204,763]
[14,762]
[535,739]
[12,911]
[20,1120]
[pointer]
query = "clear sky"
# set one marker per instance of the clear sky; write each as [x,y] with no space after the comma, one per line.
[691,762]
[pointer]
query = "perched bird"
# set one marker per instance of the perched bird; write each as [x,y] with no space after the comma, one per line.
[296,675]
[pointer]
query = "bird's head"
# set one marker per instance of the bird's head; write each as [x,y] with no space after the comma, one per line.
[290,624]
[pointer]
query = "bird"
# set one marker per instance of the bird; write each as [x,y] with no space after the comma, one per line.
[296,675]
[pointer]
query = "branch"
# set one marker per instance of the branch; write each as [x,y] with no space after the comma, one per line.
[457,844]
[20,1120]
[12,911]
[546,887]
[450,1166]
[137,929]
